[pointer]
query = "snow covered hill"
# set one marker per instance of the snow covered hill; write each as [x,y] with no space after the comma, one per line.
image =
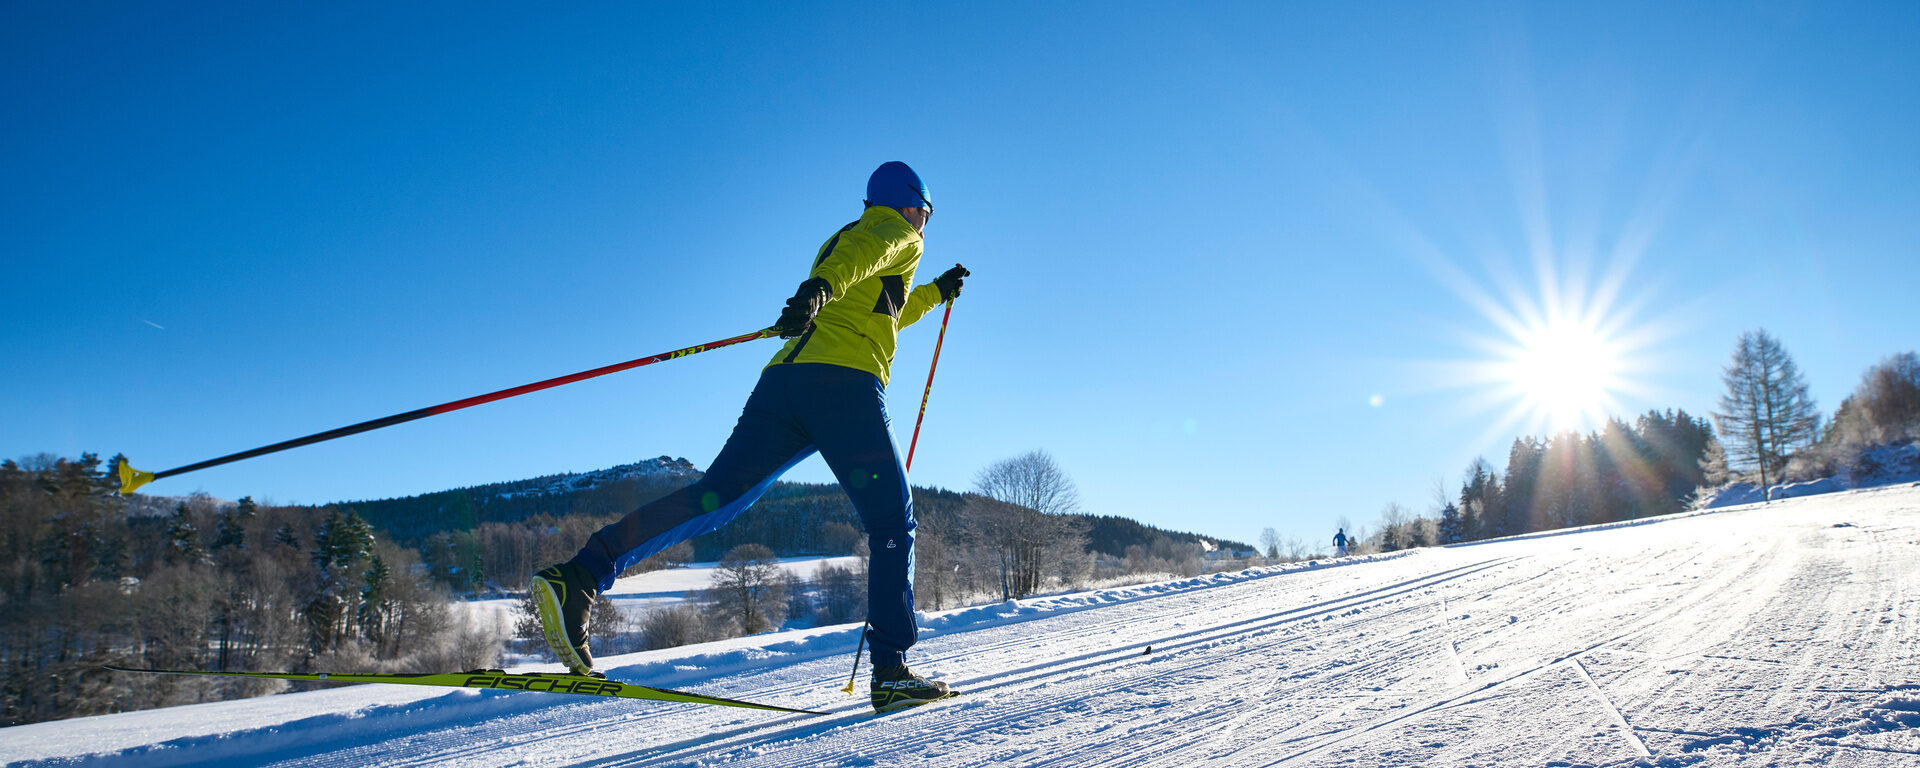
[665,467]
[1779,635]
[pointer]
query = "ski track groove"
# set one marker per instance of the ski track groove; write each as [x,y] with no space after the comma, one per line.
[1563,601]
[1626,728]
[1827,625]
[1399,592]
[1201,732]
[1755,579]
[1451,646]
[1642,624]
[1233,631]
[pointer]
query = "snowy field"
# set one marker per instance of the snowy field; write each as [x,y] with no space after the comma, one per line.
[1784,635]
[655,589]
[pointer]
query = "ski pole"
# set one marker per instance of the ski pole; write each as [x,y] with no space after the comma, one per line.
[861,648]
[131,479]
[929,393]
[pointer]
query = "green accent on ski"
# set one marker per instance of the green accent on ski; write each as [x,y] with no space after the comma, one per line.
[540,682]
[903,705]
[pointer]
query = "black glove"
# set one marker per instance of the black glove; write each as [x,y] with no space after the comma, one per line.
[949,282]
[806,302]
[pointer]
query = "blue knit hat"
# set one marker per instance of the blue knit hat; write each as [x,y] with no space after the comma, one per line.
[895,185]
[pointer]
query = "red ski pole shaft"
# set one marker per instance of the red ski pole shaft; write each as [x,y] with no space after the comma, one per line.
[929,393]
[131,478]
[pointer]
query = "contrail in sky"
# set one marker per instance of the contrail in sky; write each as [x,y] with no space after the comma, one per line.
[154,324]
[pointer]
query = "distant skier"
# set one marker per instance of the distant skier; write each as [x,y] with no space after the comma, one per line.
[1340,543]
[826,392]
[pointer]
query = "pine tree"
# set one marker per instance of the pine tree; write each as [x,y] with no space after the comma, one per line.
[1452,530]
[375,612]
[1480,501]
[231,531]
[338,543]
[229,553]
[183,538]
[80,506]
[1676,446]
[1518,515]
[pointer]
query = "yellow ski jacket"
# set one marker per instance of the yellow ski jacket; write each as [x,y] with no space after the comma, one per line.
[869,264]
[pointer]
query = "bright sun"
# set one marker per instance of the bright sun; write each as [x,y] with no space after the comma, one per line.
[1565,372]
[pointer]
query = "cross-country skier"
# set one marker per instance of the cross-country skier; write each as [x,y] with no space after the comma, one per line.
[824,392]
[1340,543]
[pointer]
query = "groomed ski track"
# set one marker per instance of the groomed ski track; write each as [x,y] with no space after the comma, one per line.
[1780,635]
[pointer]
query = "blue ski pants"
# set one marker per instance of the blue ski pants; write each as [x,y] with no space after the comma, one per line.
[795,410]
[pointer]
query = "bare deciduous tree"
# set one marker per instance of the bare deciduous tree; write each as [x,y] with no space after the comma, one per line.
[672,626]
[1885,407]
[842,594]
[1019,512]
[609,627]
[1022,542]
[1270,543]
[1032,480]
[748,591]
[1395,528]
[1766,413]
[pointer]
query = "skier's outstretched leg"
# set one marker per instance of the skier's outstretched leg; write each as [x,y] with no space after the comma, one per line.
[766,442]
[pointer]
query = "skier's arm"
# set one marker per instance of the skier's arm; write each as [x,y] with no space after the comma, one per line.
[944,288]
[921,301]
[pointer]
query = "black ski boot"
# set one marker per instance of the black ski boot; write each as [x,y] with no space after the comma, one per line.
[562,594]
[896,688]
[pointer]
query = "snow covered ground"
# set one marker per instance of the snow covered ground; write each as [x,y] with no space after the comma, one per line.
[659,588]
[1880,465]
[676,583]
[1779,635]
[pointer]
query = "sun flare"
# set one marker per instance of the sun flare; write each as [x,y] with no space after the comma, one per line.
[1566,372]
[1554,357]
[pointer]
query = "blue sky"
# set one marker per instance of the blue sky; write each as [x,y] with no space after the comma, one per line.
[1234,265]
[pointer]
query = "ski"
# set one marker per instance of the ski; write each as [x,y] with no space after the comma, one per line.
[902,706]
[539,682]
